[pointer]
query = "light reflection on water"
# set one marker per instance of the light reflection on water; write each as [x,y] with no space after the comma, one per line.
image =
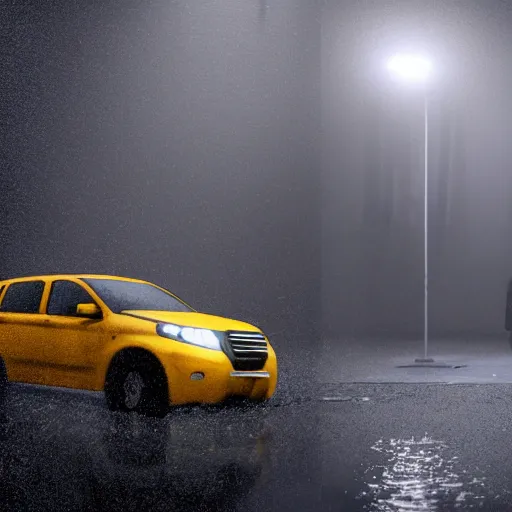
[416,476]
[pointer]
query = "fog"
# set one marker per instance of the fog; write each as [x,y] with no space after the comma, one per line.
[372,203]
[171,141]
[254,157]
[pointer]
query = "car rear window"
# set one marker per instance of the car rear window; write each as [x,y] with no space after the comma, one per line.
[22,297]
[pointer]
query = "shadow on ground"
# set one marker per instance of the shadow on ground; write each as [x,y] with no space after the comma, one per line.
[63,450]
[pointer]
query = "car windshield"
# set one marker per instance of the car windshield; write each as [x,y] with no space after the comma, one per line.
[125,295]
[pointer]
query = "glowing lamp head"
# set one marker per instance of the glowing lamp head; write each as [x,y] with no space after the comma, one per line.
[410,68]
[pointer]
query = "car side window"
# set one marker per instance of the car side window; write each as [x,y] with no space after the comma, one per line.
[24,297]
[65,297]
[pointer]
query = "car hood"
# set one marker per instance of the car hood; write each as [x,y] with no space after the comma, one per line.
[200,320]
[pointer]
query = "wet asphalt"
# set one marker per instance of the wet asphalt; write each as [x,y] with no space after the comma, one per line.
[338,447]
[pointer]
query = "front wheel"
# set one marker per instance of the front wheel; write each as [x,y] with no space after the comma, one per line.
[137,382]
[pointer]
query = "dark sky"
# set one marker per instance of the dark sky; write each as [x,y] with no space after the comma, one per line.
[180,142]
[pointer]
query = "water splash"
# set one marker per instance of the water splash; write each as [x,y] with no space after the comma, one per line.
[416,476]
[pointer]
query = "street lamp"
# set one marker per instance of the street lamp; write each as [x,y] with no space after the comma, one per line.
[410,68]
[415,69]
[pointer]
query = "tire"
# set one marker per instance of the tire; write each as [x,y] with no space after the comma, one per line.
[137,382]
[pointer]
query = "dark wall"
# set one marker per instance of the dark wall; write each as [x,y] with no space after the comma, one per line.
[373,169]
[168,140]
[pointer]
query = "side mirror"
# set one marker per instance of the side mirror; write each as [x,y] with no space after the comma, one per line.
[88,310]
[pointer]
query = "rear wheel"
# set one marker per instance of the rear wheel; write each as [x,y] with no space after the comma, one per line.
[136,381]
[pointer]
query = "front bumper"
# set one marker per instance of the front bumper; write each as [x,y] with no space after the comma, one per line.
[253,375]
[220,380]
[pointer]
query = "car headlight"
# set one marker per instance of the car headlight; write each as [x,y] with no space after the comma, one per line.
[201,337]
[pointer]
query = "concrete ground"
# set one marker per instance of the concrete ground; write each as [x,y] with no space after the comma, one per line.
[383,448]
[346,431]
[483,360]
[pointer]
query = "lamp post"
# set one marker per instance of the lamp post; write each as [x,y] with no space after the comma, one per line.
[416,69]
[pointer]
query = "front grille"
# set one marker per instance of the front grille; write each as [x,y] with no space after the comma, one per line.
[246,350]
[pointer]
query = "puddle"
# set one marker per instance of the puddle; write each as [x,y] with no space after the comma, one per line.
[345,399]
[416,475]
[433,365]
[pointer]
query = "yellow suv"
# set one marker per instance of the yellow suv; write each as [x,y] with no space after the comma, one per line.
[138,342]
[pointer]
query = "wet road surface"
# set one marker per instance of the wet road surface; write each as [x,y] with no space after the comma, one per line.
[373,447]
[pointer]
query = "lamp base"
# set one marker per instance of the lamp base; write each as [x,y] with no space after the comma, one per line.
[423,360]
[429,362]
